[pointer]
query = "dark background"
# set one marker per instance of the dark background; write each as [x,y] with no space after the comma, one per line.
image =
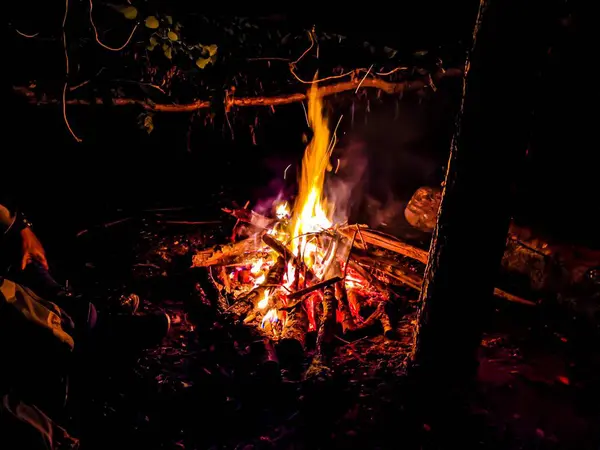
[119,170]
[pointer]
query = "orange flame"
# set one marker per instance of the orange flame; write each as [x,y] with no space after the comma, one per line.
[311,212]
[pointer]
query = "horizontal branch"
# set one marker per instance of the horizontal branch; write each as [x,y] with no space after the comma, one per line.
[232,101]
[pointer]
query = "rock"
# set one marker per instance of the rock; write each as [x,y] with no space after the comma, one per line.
[421,211]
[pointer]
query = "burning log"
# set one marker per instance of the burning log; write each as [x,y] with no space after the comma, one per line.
[325,335]
[327,322]
[348,323]
[249,301]
[224,254]
[292,344]
[289,257]
[314,287]
[280,249]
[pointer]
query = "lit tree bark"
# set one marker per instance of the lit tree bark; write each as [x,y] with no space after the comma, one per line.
[493,129]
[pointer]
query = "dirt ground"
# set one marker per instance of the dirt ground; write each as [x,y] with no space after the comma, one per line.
[204,389]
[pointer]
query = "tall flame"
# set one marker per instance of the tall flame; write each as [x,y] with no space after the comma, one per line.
[311,212]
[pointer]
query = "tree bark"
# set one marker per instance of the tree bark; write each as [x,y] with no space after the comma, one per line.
[490,141]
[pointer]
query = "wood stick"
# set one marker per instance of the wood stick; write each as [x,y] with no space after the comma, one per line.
[290,347]
[224,254]
[327,322]
[314,287]
[325,335]
[332,89]
[247,302]
[386,324]
[402,248]
[389,243]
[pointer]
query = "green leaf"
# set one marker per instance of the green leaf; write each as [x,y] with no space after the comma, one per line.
[172,36]
[421,53]
[153,40]
[202,62]
[169,19]
[152,22]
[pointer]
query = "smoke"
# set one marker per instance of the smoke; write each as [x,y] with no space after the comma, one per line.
[345,185]
[384,161]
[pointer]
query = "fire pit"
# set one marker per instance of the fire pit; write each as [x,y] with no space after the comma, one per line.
[298,272]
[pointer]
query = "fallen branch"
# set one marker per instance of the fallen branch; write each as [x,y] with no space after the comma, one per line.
[232,101]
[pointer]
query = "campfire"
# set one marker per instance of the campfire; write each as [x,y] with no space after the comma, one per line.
[298,272]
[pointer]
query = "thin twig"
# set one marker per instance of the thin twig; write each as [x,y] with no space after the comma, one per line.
[334,137]
[112,49]
[350,253]
[64,93]
[73,88]
[364,78]
[384,74]
[268,59]
[319,80]
[305,113]
[28,36]
[312,44]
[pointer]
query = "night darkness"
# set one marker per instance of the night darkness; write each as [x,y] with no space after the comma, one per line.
[389,147]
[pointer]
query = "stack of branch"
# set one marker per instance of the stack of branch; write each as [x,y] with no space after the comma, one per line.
[377,260]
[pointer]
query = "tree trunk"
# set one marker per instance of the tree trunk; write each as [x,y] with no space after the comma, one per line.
[491,139]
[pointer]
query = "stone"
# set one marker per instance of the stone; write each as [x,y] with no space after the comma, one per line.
[421,211]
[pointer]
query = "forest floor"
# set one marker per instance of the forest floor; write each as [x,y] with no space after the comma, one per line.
[202,389]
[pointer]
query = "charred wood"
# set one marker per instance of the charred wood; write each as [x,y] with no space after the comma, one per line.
[291,346]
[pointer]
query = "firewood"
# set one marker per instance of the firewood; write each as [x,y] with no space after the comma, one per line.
[386,324]
[225,254]
[378,284]
[314,287]
[348,323]
[248,301]
[319,365]
[386,241]
[327,322]
[290,347]
[402,248]
[289,257]
[374,317]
